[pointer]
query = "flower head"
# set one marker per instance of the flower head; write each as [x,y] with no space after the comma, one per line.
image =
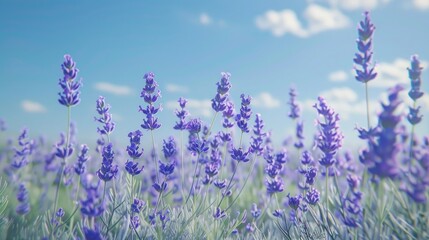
[70,87]
[330,137]
[363,58]
[107,170]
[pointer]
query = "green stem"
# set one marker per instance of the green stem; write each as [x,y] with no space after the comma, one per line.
[367,106]
[326,195]
[411,140]
[63,163]
[154,149]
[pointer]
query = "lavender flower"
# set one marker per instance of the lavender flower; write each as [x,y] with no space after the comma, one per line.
[240,155]
[134,222]
[414,74]
[381,154]
[2,125]
[107,170]
[351,203]
[294,107]
[418,178]
[330,137]
[294,202]
[312,197]
[79,167]
[274,185]
[228,115]
[181,114]
[61,150]
[137,205]
[245,112]
[92,234]
[21,155]
[219,101]
[364,57]
[219,213]
[194,126]
[299,135]
[258,138]
[23,203]
[134,153]
[150,95]
[133,149]
[105,117]
[255,211]
[60,213]
[92,205]
[70,88]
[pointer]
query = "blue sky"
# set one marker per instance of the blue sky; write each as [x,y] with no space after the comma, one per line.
[267,46]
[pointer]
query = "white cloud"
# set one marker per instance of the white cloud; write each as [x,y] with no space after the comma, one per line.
[265,100]
[392,73]
[113,88]
[33,107]
[358,4]
[338,76]
[173,88]
[205,19]
[318,19]
[421,4]
[344,101]
[201,108]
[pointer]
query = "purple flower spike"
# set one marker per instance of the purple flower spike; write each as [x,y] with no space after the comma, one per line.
[312,197]
[194,126]
[22,197]
[79,167]
[330,137]
[181,114]
[70,88]
[105,117]
[363,58]
[294,107]
[274,185]
[107,170]
[92,234]
[256,146]
[414,74]
[150,95]
[381,155]
[219,101]
[22,153]
[240,155]
[294,202]
[133,149]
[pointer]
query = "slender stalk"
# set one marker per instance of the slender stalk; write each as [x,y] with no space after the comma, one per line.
[411,141]
[155,160]
[182,166]
[367,106]
[326,195]
[63,163]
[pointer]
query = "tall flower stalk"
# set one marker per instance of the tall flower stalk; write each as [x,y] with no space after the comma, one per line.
[69,97]
[329,140]
[365,72]
[150,95]
[415,93]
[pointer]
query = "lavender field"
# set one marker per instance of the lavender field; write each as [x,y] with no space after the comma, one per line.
[220,172]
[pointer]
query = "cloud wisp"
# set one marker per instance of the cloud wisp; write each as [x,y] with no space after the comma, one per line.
[317,19]
[32,107]
[120,90]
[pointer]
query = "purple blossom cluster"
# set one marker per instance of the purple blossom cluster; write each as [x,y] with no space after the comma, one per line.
[381,156]
[70,87]
[150,95]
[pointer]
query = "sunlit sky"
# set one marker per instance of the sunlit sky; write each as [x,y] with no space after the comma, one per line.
[267,46]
